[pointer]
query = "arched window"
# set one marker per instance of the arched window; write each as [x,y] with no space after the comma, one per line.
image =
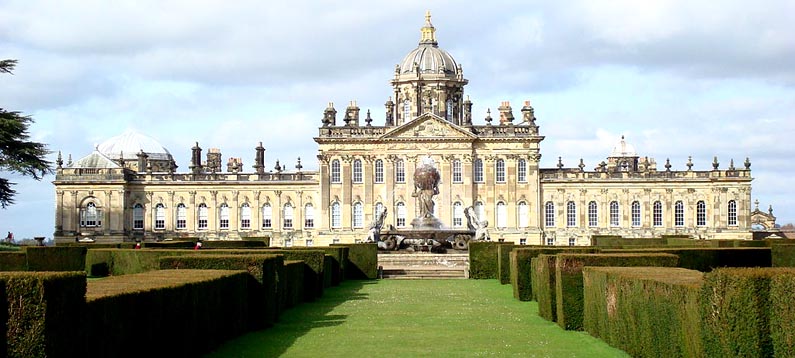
[499,171]
[138,217]
[679,214]
[521,171]
[701,213]
[358,215]
[480,210]
[90,216]
[245,216]
[223,216]
[287,216]
[309,216]
[571,214]
[400,215]
[549,214]
[458,214]
[524,214]
[732,213]
[379,171]
[267,216]
[449,110]
[657,214]
[406,111]
[378,208]
[614,214]
[502,214]
[357,171]
[593,214]
[335,171]
[400,171]
[336,215]
[160,216]
[477,167]
[182,216]
[203,216]
[457,177]
[636,214]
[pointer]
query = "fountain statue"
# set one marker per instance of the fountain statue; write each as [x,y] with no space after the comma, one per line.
[426,186]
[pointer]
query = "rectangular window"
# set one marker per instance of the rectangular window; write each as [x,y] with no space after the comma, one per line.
[657,214]
[357,171]
[522,241]
[400,172]
[457,177]
[572,241]
[500,171]
[478,171]
[379,171]
[550,241]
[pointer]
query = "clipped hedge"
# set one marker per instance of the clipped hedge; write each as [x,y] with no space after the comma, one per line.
[484,259]
[334,275]
[41,314]
[168,313]
[362,262]
[569,285]
[737,312]
[783,255]
[504,262]
[292,287]
[313,263]
[708,258]
[265,269]
[543,281]
[54,258]
[782,314]
[618,241]
[521,274]
[13,261]
[644,311]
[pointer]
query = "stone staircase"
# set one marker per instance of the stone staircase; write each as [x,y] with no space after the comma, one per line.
[418,266]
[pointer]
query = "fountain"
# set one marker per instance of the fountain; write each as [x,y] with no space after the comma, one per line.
[427,232]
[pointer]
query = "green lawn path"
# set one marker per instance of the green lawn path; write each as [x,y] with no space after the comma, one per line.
[416,318]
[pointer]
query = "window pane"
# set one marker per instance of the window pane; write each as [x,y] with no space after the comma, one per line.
[223,217]
[478,169]
[335,171]
[732,213]
[658,214]
[524,214]
[309,216]
[593,214]
[521,171]
[400,173]
[336,215]
[358,215]
[614,214]
[379,171]
[138,217]
[571,214]
[502,214]
[635,214]
[160,217]
[357,171]
[500,171]
[245,216]
[549,214]
[287,216]
[267,216]
[457,177]
[182,216]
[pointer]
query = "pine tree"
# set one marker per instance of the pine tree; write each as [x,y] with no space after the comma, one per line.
[17,153]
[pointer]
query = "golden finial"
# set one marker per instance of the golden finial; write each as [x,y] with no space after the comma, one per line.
[428,31]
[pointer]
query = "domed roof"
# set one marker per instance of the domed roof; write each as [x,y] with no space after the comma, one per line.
[130,143]
[623,149]
[428,56]
[94,160]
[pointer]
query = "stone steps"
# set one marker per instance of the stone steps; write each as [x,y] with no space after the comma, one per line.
[424,266]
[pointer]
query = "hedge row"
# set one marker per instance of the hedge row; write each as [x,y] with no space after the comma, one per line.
[543,282]
[362,261]
[520,272]
[168,313]
[484,260]
[569,282]
[706,259]
[504,262]
[644,311]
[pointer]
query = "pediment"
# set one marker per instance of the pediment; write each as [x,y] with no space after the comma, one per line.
[428,126]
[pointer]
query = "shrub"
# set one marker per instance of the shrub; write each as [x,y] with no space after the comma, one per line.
[782,314]
[543,282]
[708,258]
[782,255]
[504,262]
[13,261]
[484,259]
[645,311]
[56,258]
[362,262]
[569,285]
[521,277]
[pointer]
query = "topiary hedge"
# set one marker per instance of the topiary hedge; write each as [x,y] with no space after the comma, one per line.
[484,259]
[569,285]
[644,311]
[362,262]
[53,258]
[264,268]
[504,262]
[42,313]
[737,312]
[706,259]
[543,282]
[521,277]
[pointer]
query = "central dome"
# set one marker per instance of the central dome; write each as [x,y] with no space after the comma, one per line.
[129,143]
[428,57]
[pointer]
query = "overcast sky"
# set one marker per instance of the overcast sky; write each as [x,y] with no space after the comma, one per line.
[677,78]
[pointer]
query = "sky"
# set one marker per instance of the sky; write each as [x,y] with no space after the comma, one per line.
[678,79]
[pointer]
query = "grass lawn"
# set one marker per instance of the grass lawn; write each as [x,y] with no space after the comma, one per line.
[416,318]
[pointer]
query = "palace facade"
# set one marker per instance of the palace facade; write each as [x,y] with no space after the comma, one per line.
[128,187]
